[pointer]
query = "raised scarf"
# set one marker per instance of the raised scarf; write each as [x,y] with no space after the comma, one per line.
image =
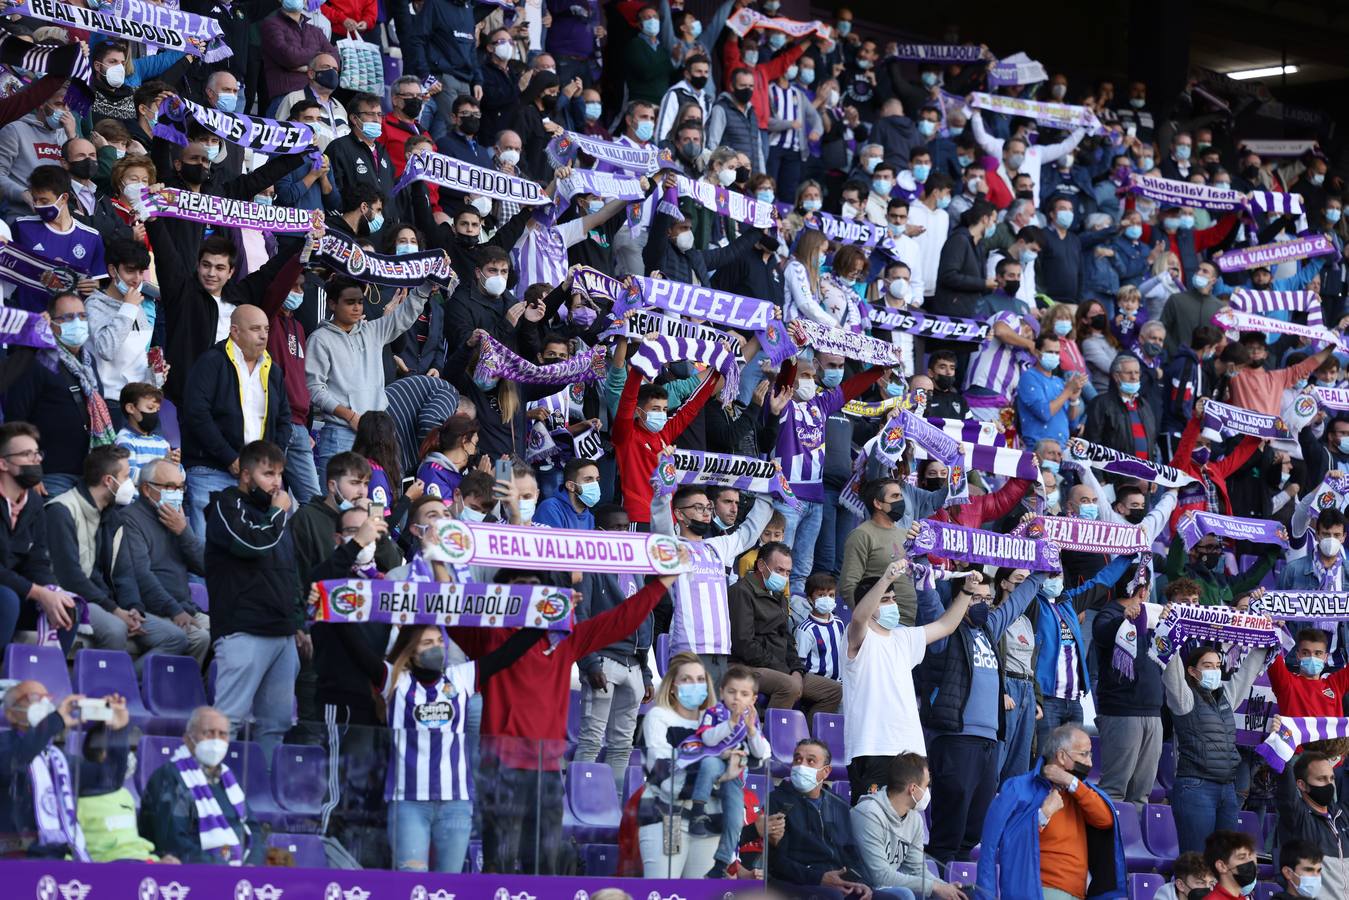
[252,132]
[1281,746]
[1128,643]
[1303,247]
[1052,115]
[136,21]
[656,353]
[498,361]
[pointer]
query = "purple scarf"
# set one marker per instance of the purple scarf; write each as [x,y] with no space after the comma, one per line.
[499,361]
[1223,417]
[1194,525]
[655,354]
[137,22]
[845,343]
[27,269]
[602,184]
[1183,623]
[909,321]
[597,287]
[1169,192]
[21,328]
[1304,247]
[556,549]
[211,209]
[263,135]
[212,826]
[692,749]
[973,545]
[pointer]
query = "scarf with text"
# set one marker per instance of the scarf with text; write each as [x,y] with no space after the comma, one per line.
[758,476]
[452,605]
[1169,192]
[1306,246]
[54,808]
[456,175]
[255,133]
[1051,115]
[851,231]
[1279,148]
[496,360]
[1326,605]
[499,546]
[1193,526]
[1086,535]
[604,185]
[1331,398]
[723,308]
[712,197]
[961,53]
[346,257]
[1233,323]
[657,352]
[945,328]
[1225,418]
[563,149]
[637,325]
[1281,746]
[978,547]
[604,291]
[1116,463]
[867,410]
[841,342]
[748,19]
[24,329]
[211,209]
[1016,69]
[28,269]
[213,828]
[1184,622]
[137,21]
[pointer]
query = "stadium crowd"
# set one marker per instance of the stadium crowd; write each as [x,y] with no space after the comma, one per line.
[991,424]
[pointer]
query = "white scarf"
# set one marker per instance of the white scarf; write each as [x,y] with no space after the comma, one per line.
[1126,656]
[54,803]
